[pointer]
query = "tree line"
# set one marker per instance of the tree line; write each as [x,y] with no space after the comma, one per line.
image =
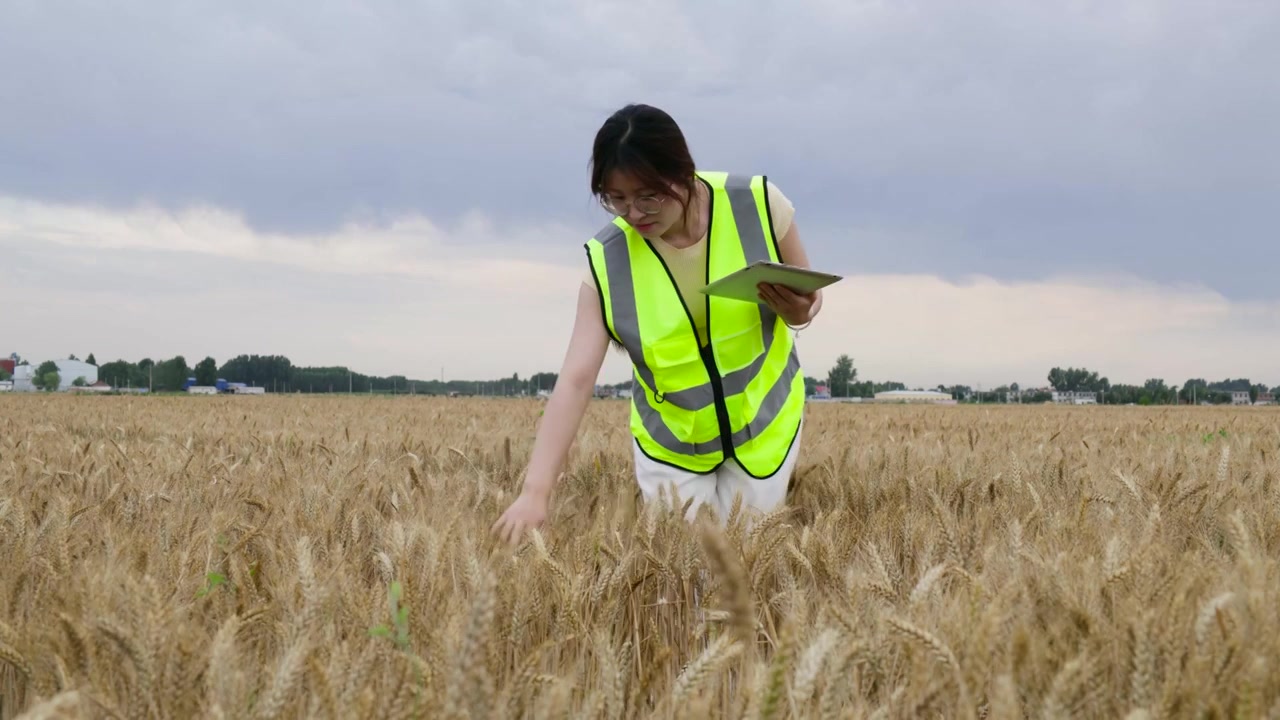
[1155,391]
[277,373]
[842,381]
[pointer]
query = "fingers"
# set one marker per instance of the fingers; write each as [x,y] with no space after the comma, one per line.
[509,530]
[788,295]
[768,294]
[783,300]
[503,528]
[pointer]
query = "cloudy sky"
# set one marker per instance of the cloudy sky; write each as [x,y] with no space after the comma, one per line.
[1006,186]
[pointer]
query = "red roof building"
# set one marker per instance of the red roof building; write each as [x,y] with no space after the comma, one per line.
[7,365]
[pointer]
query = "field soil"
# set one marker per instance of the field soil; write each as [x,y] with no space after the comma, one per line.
[330,557]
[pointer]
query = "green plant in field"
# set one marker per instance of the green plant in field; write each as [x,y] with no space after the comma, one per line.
[1208,438]
[212,581]
[400,636]
[399,618]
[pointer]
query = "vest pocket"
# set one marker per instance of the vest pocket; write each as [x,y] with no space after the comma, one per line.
[676,364]
[737,350]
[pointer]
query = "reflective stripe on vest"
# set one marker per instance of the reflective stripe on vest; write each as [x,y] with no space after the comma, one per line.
[618,293]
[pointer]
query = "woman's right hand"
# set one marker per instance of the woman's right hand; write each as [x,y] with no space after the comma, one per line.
[529,511]
[560,421]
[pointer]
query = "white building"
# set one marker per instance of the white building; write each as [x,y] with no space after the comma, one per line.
[68,371]
[1240,397]
[926,396]
[1076,397]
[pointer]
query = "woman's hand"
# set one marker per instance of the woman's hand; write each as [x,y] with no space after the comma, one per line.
[527,512]
[794,308]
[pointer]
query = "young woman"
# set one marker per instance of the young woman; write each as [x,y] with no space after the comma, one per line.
[718,394]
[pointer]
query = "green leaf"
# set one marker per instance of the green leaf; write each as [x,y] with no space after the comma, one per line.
[212,581]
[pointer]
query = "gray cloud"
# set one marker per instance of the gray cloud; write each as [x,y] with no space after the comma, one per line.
[1019,139]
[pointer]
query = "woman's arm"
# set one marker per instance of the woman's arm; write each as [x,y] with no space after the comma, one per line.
[560,420]
[569,398]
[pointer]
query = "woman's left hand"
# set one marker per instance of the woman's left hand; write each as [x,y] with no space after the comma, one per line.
[795,309]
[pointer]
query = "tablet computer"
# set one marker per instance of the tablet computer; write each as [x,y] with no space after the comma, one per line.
[742,284]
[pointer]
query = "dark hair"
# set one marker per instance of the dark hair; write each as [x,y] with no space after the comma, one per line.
[645,142]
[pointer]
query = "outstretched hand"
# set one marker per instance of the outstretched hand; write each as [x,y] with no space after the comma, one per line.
[529,511]
[795,308]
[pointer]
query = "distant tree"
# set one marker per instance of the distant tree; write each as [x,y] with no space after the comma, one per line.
[1231,385]
[275,371]
[80,381]
[841,376]
[4,374]
[1194,390]
[1156,392]
[1014,387]
[1077,380]
[171,374]
[118,373]
[546,381]
[91,360]
[206,371]
[72,357]
[46,376]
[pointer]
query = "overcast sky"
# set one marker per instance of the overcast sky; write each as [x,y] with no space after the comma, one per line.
[1007,186]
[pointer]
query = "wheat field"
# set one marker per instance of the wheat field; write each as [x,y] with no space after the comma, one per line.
[330,557]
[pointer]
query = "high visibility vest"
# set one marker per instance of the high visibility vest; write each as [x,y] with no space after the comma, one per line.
[742,396]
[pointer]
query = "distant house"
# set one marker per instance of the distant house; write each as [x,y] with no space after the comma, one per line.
[821,392]
[68,371]
[915,396]
[1265,398]
[1240,397]
[1075,397]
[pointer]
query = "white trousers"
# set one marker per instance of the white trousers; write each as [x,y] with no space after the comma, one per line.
[718,488]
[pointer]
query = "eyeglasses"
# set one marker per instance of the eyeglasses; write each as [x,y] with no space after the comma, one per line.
[647,204]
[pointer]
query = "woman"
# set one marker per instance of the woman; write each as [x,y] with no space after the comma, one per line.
[718,394]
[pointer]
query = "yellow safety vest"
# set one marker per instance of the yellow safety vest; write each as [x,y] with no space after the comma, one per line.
[742,396]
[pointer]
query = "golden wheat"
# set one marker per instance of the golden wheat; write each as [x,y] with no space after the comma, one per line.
[318,557]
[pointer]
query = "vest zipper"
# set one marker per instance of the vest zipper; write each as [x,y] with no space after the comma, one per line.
[709,356]
[705,353]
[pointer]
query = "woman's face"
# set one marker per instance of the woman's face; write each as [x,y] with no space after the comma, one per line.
[651,211]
